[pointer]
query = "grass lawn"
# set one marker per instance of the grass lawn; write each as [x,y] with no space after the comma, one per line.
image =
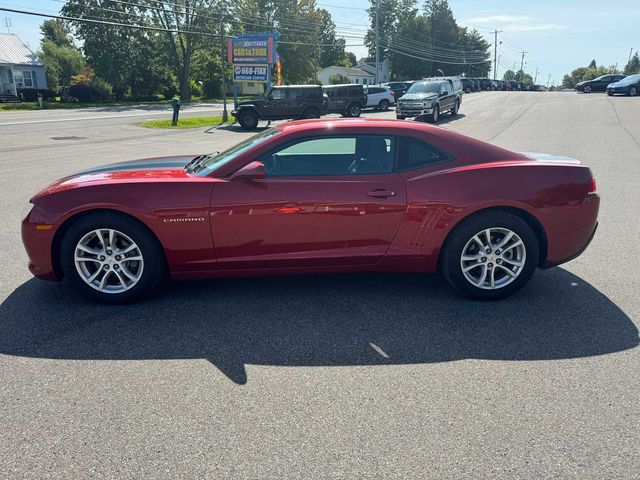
[5,107]
[193,122]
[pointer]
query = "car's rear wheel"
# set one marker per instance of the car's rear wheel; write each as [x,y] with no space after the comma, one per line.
[311,113]
[490,255]
[248,120]
[633,91]
[111,258]
[354,110]
[384,105]
[587,89]
[456,107]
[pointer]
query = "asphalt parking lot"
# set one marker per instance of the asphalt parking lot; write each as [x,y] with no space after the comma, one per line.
[353,376]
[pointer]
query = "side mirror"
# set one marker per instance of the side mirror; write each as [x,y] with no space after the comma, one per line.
[251,171]
[444,94]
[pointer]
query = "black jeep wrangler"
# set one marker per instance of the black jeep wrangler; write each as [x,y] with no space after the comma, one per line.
[279,103]
[348,99]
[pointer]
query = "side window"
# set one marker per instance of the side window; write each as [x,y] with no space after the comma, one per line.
[278,94]
[330,156]
[415,154]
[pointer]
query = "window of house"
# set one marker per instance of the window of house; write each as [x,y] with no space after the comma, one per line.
[23,79]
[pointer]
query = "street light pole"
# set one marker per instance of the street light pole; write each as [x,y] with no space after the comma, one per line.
[377,40]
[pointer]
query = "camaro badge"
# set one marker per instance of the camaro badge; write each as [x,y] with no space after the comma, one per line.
[184,219]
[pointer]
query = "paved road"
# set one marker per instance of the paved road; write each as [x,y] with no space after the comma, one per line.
[354,376]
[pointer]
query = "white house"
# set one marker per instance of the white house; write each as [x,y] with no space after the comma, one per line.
[355,75]
[19,67]
[383,69]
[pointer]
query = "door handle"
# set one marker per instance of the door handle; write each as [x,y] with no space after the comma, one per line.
[288,210]
[381,193]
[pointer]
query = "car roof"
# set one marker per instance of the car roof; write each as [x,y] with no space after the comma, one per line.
[296,86]
[336,124]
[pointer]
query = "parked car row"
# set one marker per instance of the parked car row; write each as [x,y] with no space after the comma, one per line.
[612,84]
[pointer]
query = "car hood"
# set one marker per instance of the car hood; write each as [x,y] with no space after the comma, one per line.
[419,96]
[145,170]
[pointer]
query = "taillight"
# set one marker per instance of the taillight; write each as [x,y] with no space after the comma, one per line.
[592,187]
[393,94]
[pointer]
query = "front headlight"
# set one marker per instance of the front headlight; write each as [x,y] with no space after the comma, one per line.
[426,103]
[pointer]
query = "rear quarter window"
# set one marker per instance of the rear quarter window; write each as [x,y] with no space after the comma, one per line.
[413,154]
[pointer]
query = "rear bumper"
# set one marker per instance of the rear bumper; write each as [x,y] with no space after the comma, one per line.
[575,255]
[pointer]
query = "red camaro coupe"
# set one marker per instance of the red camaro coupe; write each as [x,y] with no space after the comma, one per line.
[317,196]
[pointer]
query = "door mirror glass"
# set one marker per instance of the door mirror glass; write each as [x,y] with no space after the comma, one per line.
[251,171]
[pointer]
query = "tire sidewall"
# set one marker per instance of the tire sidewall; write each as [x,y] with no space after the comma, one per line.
[384,105]
[354,110]
[154,261]
[463,232]
[253,120]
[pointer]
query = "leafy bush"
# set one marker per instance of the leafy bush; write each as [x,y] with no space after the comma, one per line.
[31,94]
[101,90]
[338,79]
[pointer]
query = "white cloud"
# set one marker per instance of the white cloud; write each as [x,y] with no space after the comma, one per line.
[498,19]
[532,27]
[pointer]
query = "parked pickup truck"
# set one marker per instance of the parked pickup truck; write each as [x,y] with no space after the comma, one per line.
[429,98]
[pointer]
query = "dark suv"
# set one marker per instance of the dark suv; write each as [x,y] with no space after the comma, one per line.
[291,101]
[348,99]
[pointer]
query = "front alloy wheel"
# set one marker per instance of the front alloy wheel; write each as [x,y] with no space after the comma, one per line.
[111,258]
[587,89]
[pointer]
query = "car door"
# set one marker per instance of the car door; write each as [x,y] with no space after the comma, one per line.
[325,201]
[276,103]
[445,97]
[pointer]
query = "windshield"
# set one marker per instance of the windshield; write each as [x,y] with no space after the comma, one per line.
[216,160]
[424,87]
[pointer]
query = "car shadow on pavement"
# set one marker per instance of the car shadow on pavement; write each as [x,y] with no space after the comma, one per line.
[329,320]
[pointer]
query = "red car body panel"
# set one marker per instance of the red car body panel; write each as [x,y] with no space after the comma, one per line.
[218,226]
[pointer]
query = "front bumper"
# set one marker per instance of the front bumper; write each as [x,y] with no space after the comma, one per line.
[38,243]
[412,111]
[613,91]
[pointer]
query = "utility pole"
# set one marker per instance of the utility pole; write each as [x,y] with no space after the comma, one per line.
[630,54]
[548,80]
[223,79]
[377,41]
[522,65]
[536,76]
[495,52]
[7,22]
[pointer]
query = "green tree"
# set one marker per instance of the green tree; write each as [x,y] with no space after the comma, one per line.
[61,63]
[593,64]
[633,66]
[58,32]
[329,55]
[339,79]
[348,60]
[509,75]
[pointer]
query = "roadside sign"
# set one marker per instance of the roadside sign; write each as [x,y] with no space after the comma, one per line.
[251,50]
[250,73]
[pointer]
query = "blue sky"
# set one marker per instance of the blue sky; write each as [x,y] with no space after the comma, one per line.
[559,35]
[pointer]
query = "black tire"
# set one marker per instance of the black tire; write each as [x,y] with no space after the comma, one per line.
[467,90]
[154,263]
[248,120]
[454,110]
[587,89]
[435,116]
[310,113]
[354,110]
[450,259]
[400,117]
[633,91]
[610,94]
[384,105]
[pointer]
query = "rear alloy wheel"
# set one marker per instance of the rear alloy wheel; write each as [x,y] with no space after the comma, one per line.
[490,256]
[587,89]
[383,105]
[354,110]
[248,120]
[454,110]
[633,91]
[111,258]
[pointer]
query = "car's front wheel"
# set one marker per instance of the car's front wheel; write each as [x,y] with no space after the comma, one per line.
[490,255]
[435,116]
[248,120]
[111,258]
[587,89]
